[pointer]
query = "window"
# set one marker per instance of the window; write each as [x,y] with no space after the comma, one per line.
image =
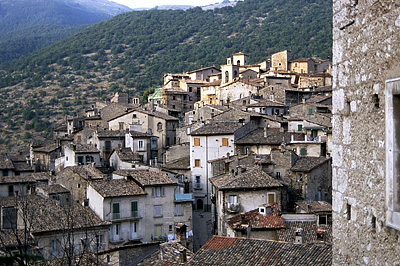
[9,218]
[233,199]
[54,248]
[299,127]
[271,197]
[158,192]
[115,210]
[322,219]
[190,89]
[173,97]
[225,142]
[108,145]
[134,230]
[134,209]
[157,232]
[303,152]
[157,210]
[178,209]
[299,177]
[309,111]
[197,163]
[196,141]
[278,175]
[99,242]
[197,182]
[116,228]
[10,190]
[393,152]
[140,145]
[159,125]
[121,125]
[80,160]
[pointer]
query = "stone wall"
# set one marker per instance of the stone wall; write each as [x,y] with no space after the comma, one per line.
[365,54]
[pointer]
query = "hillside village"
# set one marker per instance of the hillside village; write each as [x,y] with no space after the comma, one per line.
[236,157]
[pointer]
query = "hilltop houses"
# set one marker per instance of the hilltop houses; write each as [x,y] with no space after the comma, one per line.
[238,150]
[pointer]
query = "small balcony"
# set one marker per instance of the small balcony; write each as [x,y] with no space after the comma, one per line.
[233,207]
[132,215]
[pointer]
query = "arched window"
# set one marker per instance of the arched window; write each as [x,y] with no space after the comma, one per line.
[159,126]
[238,62]
[235,73]
[226,76]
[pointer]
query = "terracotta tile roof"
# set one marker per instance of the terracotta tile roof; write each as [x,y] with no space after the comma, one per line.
[17,179]
[252,178]
[310,229]
[137,134]
[257,137]
[210,84]
[314,206]
[167,255]
[83,148]
[5,162]
[47,215]
[147,178]
[125,154]
[85,171]
[111,134]
[306,164]
[180,164]
[222,251]
[217,128]
[54,189]
[203,68]
[117,188]
[262,103]
[22,167]
[50,147]
[318,98]
[256,220]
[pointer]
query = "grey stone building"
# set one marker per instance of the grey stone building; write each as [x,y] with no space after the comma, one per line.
[366,115]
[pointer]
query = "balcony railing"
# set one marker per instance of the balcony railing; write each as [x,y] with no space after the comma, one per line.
[127,215]
[233,207]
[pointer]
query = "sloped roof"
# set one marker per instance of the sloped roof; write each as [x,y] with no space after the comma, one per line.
[217,128]
[146,178]
[5,162]
[257,137]
[258,221]
[83,148]
[310,229]
[117,188]
[85,171]
[111,134]
[47,215]
[54,188]
[222,251]
[180,164]
[125,154]
[315,206]
[306,164]
[252,178]
[167,255]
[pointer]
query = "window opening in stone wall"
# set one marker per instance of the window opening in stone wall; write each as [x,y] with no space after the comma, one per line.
[376,100]
[348,211]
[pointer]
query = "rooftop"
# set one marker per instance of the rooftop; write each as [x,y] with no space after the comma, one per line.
[252,178]
[274,137]
[117,188]
[306,164]
[146,178]
[257,220]
[217,128]
[255,252]
[314,206]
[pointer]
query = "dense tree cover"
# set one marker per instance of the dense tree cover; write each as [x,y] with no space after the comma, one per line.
[132,51]
[154,42]
[26,25]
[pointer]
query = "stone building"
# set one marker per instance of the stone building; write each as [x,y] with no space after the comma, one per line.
[366,89]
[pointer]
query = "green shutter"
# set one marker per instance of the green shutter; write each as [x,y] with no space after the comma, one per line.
[303,152]
[134,206]
[299,127]
[115,207]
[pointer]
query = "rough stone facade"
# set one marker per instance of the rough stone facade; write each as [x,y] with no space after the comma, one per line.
[365,55]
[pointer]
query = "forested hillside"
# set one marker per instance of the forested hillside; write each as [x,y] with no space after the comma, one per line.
[26,25]
[132,51]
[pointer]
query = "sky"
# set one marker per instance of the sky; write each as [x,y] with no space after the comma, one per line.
[153,3]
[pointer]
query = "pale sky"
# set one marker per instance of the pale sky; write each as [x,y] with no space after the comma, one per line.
[153,3]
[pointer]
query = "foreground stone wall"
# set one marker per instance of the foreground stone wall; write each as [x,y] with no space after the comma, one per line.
[366,53]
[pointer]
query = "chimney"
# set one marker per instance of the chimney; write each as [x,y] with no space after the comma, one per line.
[299,236]
[182,256]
